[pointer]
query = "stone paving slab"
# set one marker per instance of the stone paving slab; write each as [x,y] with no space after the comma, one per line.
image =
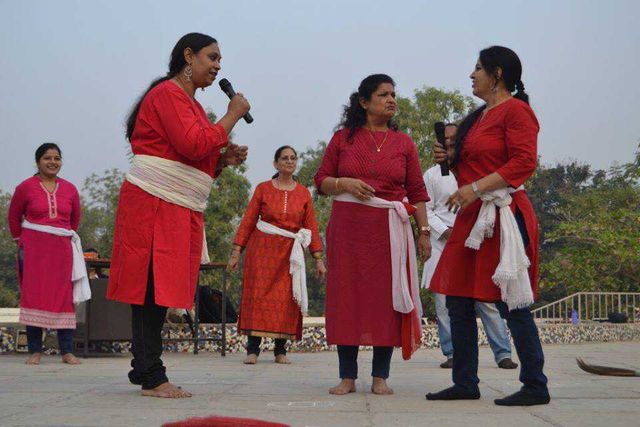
[97,394]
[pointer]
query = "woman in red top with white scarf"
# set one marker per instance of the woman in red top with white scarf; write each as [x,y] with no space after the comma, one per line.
[492,254]
[159,239]
[373,172]
[44,215]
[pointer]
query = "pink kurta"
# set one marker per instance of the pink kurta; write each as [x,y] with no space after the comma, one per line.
[268,308]
[46,290]
[359,307]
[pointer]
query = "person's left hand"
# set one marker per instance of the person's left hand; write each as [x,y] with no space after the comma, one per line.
[235,154]
[461,198]
[424,247]
[321,270]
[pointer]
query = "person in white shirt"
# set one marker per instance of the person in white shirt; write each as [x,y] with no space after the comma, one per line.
[441,221]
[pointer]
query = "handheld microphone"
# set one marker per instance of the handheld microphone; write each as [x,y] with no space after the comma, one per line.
[438,127]
[226,87]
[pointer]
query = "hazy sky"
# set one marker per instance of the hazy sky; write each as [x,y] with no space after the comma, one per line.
[70,70]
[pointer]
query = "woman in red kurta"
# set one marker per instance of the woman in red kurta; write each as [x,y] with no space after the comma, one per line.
[367,157]
[158,237]
[496,148]
[268,307]
[45,260]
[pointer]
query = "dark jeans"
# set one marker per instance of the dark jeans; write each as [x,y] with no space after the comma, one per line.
[253,346]
[348,358]
[146,344]
[464,334]
[34,340]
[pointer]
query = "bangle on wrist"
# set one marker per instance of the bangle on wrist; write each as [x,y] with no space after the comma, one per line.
[337,184]
[474,187]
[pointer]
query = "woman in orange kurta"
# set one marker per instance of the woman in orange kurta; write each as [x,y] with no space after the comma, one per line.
[158,238]
[268,307]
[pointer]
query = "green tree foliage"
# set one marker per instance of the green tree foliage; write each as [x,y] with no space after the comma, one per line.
[98,203]
[416,116]
[8,279]
[595,243]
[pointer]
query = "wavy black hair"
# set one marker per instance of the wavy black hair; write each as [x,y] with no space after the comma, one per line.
[354,116]
[491,59]
[195,41]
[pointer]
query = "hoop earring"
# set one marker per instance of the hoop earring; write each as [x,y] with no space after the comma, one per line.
[188,72]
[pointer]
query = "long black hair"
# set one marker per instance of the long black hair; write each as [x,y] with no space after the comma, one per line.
[354,116]
[276,157]
[491,59]
[41,150]
[195,41]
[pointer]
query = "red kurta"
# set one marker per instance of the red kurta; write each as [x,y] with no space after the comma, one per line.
[46,289]
[505,141]
[268,307]
[173,126]
[359,307]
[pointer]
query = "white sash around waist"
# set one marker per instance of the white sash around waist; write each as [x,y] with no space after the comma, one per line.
[403,249]
[173,182]
[297,268]
[511,275]
[79,277]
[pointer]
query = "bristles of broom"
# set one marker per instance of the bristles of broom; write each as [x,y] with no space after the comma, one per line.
[606,370]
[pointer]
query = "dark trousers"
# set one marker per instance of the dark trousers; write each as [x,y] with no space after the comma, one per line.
[34,340]
[253,345]
[146,344]
[348,358]
[464,334]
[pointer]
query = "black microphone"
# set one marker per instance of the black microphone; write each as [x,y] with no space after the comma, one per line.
[438,127]
[226,87]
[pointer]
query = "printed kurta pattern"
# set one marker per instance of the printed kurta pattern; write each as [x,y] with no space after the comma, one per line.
[267,307]
[359,307]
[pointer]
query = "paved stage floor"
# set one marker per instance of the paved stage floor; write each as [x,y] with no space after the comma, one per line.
[97,393]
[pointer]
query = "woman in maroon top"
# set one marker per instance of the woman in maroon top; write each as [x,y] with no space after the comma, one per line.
[496,148]
[368,158]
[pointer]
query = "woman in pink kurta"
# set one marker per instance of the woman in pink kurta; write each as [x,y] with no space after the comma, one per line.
[45,260]
[367,158]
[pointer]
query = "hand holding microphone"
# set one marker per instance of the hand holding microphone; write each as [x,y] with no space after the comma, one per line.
[238,105]
[439,150]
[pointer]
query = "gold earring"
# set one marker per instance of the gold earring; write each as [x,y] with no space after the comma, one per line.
[188,72]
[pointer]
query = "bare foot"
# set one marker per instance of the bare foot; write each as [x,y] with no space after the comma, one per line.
[251,359]
[71,359]
[346,386]
[380,386]
[167,390]
[34,359]
[281,358]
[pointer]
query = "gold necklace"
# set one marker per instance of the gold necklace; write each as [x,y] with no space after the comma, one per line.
[378,147]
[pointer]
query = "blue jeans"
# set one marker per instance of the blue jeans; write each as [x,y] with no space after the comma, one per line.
[464,334]
[34,340]
[494,327]
[348,358]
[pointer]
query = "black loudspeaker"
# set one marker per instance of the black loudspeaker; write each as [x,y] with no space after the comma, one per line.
[106,320]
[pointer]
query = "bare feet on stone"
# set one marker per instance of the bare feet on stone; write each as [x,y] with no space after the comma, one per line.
[251,359]
[167,390]
[380,386]
[346,386]
[71,359]
[281,358]
[34,359]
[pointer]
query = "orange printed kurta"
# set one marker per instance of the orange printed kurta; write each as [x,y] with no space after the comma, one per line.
[267,307]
